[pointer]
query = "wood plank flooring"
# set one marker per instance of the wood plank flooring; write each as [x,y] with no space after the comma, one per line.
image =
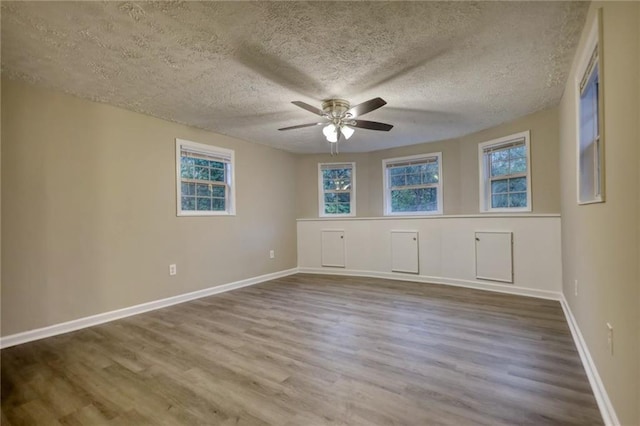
[310,350]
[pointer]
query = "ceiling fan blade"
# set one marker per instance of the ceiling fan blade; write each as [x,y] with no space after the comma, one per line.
[309,108]
[365,107]
[371,125]
[300,126]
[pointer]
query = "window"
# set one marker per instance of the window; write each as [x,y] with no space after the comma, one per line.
[205,180]
[590,120]
[413,185]
[337,189]
[505,179]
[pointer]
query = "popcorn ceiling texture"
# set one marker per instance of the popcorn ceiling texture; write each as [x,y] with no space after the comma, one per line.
[445,68]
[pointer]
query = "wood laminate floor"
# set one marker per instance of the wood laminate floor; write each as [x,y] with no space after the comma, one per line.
[310,350]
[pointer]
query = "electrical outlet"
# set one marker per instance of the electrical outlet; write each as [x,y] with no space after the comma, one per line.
[610,337]
[172,269]
[575,288]
[272,254]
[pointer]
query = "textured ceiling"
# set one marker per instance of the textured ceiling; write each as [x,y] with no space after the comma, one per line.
[445,68]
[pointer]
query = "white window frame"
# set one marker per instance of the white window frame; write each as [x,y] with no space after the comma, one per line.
[387,189]
[352,191]
[485,175]
[593,45]
[230,188]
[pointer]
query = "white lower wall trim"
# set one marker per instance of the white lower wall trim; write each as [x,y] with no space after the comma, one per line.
[66,327]
[602,398]
[479,285]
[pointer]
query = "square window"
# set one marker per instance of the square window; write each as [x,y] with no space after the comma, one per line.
[413,185]
[205,184]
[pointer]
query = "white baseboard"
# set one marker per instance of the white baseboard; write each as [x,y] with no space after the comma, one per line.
[66,327]
[602,398]
[479,285]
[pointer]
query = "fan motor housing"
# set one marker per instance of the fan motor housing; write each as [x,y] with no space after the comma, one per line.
[335,107]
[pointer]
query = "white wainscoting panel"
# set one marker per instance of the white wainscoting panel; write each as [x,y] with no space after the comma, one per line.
[447,248]
[494,256]
[404,252]
[333,248]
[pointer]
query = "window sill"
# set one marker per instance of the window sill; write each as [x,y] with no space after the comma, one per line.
[404,214]
[204,214]
[507,210]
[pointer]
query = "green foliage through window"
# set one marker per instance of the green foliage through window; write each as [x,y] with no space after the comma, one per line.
[337,185]
[504,174]
[413,185]
[204,178]
[508,177]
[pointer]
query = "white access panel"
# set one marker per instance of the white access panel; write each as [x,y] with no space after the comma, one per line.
[333,248]
[404,251]
[494,256]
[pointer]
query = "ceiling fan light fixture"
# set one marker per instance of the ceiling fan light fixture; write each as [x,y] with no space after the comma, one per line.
[347,131]
[331,133]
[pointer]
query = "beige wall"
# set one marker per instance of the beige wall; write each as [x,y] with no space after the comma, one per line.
[600,241]
[89,211]
[459,169]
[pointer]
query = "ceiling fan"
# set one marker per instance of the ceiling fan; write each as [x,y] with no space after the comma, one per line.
[342,118]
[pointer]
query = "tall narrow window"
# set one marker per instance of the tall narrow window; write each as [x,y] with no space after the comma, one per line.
[337,189]
[204,179]
[413,185]
[590,120]
[505,179]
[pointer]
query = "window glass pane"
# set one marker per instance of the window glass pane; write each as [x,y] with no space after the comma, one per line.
[330,197]
[188,203]
[414,200]
[218,191]
[201,173]
[398,180]
[519,151]
[201,162]
[518,199]
[203,204]
[497,156]
[414,179]
[519,165]
[518,184]
[186,168]
[499,201]
[218,204]
[499,186]
[188,188]
[203,190]
[431,173]
[344,197]
[342,184]
[336,179]
[217,175]
[499,168]
[344,208]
